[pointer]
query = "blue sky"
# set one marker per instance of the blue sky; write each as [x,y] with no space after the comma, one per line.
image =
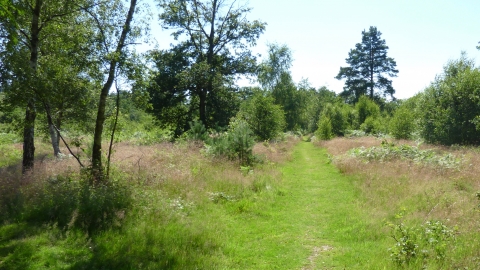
[422,35]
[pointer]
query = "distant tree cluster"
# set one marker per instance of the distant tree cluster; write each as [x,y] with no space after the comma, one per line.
[66,65]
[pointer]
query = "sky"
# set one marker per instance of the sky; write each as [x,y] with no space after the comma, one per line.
[422,36]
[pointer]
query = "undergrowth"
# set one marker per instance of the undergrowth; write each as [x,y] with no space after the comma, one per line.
[158,211]
[389,151]
[437,185]
[422,244]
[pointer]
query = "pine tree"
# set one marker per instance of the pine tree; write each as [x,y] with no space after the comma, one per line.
[369,68]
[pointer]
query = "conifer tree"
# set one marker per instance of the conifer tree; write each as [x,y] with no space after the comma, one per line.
[369,69]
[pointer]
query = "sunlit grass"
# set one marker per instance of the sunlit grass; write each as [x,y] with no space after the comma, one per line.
[422,192]
[296,210]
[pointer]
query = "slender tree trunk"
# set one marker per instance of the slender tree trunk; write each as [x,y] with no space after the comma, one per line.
[371,73]
[59,119]
[53,132]
[30,112]
[97,167]
[203,106]
[28,137]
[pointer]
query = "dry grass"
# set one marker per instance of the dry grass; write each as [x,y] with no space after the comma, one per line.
[178,170]
[277,152]
[427,193]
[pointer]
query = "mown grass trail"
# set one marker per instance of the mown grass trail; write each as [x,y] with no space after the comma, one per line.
[316,223]
[308,217]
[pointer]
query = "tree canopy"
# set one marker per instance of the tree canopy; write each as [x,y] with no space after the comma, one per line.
[369,69]
[216,40]
[450,106]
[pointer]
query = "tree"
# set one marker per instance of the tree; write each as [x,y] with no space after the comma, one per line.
[369,68]
[402,124]
[278,62]
[450,106]
[113,38]
[274,75]
[265,118]
[217,36]
[169,99]
[32,35]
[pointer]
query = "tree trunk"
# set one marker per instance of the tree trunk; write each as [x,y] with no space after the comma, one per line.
[208,88]
[30,112]
[53,133]
[202,95]
[28,137]
[97,167]
[59,119]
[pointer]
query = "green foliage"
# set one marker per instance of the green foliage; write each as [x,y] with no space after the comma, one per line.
[274,76]
[242,141]
[450,106]
[430,241]
[214,60]
[366,108]
[402,124]
[369,66]
[371,125]
[337,117]
[9,153]
[236,144]
[389,151]
[67,201]
[197,131]
[264,118]
[278,63]
[286,94]
[325,130]
[101,204]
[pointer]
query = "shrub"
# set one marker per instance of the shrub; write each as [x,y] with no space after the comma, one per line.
[264,118]
[197,131]
[337,118]
[236,143]
[67,200]
[390,151]
[402,124]
[366,108]
[429,241]
[325,130]
[371,125]
[450,105]
[241,141]
[100,205]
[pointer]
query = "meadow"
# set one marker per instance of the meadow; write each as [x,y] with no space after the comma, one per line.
[347,203]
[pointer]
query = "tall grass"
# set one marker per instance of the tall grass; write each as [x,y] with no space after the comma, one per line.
[421,191]
[160,211]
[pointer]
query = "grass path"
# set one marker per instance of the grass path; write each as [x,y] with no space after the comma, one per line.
[316,223]
[312,219]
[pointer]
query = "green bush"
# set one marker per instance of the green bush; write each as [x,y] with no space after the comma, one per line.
[371,125]
[197,131]
[67,201]
[325,130]
[264,118]
[236,143]
[101,204]
[431,241]
[337,118]
[366,108]
[450,105]
[389,151]
[402,124]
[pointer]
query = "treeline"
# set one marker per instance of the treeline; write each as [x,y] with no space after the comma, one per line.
[70,67]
